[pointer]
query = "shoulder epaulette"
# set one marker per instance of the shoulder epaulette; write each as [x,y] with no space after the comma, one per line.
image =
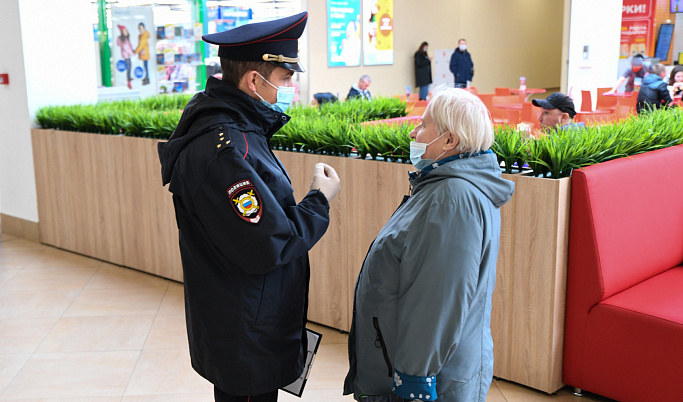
[222,137]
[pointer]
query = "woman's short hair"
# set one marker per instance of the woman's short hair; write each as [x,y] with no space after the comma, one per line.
[464,115]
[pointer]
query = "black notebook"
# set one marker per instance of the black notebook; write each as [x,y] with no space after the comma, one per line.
[297,387]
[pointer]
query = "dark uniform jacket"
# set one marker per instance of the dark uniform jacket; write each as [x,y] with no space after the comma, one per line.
[461,66]
[423,69]
[244,242]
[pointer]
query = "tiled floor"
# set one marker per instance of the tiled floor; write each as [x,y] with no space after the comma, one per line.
[77,329]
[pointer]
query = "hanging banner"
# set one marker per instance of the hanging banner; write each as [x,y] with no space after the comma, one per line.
[343,33]
[378,36]
[636,27]
[133,49]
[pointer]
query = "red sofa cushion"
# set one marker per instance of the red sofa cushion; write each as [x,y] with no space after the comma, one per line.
[634,342]
[626,226]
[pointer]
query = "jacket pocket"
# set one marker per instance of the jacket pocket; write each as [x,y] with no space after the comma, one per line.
[268,307]
[379,343]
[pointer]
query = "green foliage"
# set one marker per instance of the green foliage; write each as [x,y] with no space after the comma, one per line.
[336,129]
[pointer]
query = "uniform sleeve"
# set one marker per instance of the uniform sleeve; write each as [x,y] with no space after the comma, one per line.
[244,220]
[439,276]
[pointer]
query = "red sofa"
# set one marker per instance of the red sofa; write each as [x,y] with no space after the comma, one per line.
[624,312]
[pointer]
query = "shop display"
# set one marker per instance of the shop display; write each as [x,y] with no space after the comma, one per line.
[177,57]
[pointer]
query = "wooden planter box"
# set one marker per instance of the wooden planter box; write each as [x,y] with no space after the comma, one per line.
[101,196]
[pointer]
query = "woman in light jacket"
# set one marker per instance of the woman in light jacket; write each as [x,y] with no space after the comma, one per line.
[422,306]
[423,70]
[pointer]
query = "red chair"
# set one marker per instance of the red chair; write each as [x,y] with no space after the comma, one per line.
[500,91]
[586,101]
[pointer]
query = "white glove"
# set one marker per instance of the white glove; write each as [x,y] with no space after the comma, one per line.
[325,180]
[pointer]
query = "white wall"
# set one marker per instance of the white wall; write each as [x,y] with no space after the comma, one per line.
[48,54]
[596,24]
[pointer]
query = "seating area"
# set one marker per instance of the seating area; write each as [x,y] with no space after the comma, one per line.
[608,108]
[624,309]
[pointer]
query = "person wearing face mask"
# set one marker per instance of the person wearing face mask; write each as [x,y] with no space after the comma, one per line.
[244,240]
[423,70]
[461,65]
[637,70]
[422,305]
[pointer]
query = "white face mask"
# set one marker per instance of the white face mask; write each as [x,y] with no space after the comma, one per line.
[417,149]
[424,49]
[462,48]
[285,95]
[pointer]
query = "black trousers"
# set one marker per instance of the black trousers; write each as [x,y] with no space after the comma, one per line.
[220,396]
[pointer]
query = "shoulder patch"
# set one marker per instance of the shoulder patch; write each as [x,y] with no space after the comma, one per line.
[222,138]
[246,201]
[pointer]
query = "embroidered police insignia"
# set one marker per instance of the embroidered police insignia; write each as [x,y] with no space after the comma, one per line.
[245,201]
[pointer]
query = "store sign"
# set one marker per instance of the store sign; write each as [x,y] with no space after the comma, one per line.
[636,27]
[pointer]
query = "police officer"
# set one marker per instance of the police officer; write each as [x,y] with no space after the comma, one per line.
[244,241]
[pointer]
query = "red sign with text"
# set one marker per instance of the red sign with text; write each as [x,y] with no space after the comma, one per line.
[636,27]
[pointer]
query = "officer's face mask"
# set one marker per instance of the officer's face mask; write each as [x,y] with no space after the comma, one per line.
[417,149]
[462,48]
[285,95]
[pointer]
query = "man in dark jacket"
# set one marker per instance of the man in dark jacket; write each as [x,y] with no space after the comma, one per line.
[244,241]
[654,92]
[462,66]
[360,90]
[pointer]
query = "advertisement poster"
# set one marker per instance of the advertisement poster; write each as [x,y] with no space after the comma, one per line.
[343,33]
[378,34]
[636,27]
[133,44]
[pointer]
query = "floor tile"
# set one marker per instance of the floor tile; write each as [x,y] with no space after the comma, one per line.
[174,300]
[329,368]
[494,394]
[50,303]
[63,375]
[208,397]
[73,277]
[316,395]
[24,335]
[110,276]
[10,364]
[7,273]
[166,372]
[98,334]
[52,257]
[168,332]
[102,302]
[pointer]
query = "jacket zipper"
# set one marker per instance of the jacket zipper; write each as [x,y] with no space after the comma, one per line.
[379,343]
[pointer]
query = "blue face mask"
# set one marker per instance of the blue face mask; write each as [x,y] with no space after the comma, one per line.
[285,95]
[417,149]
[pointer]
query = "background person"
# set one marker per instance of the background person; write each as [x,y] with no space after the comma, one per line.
[676,81]
[421,327]
[360,90]
[654,93]
[637,70]
[462,66]
[244,241]
[423,70]
[558,112]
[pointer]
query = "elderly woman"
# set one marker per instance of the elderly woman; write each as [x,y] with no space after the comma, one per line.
[422,308]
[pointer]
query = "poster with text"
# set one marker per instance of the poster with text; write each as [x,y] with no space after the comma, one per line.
[133,49]
[636,27]
[343,33]
[378,33]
